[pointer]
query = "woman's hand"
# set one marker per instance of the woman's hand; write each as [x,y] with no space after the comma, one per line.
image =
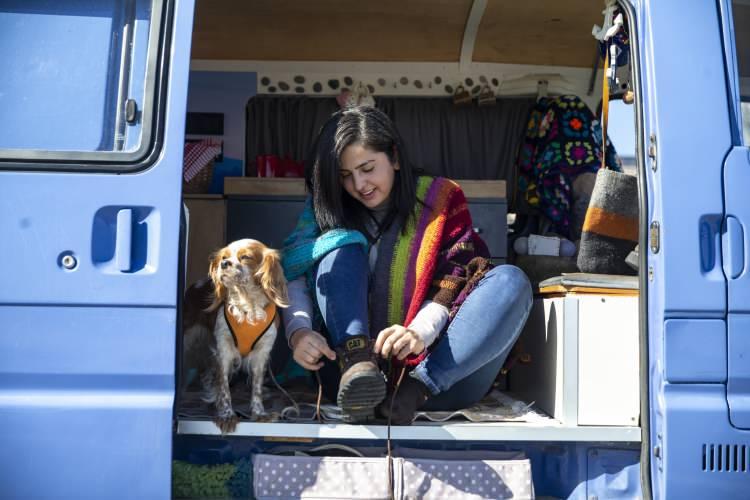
[399,342]
[308,346]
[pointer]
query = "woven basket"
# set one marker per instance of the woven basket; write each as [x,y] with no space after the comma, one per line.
[201,182]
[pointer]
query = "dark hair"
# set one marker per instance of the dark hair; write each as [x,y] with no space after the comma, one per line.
[334,207]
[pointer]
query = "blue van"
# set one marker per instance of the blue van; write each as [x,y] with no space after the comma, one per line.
[94,96]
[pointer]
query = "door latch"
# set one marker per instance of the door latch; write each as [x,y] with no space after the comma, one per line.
[652,151]
[131,111]
[654,237]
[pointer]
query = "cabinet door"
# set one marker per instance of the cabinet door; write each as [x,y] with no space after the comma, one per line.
[489,218]
[266,219]
[206,234]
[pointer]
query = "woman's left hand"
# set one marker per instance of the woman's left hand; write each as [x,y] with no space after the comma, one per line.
[399,342]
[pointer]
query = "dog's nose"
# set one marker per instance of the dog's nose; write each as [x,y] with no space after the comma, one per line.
[225,264]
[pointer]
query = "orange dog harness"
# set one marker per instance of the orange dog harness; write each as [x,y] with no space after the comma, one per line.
[247,334]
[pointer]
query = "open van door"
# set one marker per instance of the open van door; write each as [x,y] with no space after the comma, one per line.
[737,220]
[694,346]
[90,176]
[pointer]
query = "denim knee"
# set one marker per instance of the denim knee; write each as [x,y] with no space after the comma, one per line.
[353,255]
[341,287]
[511,282]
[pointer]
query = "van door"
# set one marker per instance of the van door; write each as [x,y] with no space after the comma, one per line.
[90,166]
[737,220]
[687,134]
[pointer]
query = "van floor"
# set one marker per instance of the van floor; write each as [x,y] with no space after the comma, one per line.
[296,403]
[499,416]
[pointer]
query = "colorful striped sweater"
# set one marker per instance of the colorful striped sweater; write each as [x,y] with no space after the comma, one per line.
[430,260]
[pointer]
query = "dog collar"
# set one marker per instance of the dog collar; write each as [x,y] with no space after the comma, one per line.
[247,334]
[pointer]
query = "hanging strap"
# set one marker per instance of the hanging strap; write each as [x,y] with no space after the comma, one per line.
[605,107]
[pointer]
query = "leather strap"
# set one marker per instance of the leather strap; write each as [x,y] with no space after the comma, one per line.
[605,107]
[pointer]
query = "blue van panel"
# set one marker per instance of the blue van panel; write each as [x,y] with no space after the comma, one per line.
[701,454]
[738,385]
[86,402]
[73,348]
[88,335]
[614,474]
[686,186]
[685,271]
[45,215]
[737,244]
[695,350]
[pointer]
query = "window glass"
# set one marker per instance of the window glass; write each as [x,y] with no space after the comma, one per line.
[74,84]
[741,14]
[621,131]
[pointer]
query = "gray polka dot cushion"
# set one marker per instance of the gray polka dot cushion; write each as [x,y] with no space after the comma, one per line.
[285,477]
[471,479]
[319,477]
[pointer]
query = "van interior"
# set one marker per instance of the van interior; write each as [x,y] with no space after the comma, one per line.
[478,90]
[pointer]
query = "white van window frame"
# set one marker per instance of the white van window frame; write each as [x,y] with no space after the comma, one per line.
[151,116]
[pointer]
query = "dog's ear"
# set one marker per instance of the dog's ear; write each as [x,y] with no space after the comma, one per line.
[271,276]
[213,272]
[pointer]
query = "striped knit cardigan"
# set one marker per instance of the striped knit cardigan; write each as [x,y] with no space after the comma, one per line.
[439,257]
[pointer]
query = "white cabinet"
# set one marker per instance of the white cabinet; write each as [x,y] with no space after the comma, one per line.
[584,367]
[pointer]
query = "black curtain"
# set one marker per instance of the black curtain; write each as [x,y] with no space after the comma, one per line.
[284,126]
[459,142]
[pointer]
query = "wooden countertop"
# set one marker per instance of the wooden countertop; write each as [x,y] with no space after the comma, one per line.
[271,186]
[202,196]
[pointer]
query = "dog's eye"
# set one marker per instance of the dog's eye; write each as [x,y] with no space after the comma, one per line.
[245,257]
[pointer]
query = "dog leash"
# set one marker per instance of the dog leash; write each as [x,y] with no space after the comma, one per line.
[290,398]
[605,104]
[388,436]
[318,415]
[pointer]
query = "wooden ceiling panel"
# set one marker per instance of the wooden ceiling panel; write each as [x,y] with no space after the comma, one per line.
[544,32]
[330,30]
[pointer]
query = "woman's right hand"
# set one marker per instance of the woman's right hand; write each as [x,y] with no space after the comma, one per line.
[308,346]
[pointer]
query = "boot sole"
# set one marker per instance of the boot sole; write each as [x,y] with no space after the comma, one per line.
[359,397]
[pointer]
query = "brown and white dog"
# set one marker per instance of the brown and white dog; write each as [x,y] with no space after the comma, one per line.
[230,323]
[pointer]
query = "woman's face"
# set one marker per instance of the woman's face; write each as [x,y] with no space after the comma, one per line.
[367,175]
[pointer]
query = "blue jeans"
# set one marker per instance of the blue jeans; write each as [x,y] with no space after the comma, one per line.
[466,359]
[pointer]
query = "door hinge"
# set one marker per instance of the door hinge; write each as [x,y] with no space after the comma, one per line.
[652,151]
[655,237]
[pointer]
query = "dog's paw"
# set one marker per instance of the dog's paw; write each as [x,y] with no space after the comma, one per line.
[267,417]
[257,411]
[227,423]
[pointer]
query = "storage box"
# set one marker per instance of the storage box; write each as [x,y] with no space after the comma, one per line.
[584,366]
[289,477]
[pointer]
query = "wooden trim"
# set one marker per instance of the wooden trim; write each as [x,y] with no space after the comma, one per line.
[560,290]
[270,186]
[267,186]
[205,196]
[482,188]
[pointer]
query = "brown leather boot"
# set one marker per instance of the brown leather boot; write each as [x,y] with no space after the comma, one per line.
[411,395]
[362,385]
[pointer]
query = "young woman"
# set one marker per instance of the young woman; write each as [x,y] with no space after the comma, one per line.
[384,263]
